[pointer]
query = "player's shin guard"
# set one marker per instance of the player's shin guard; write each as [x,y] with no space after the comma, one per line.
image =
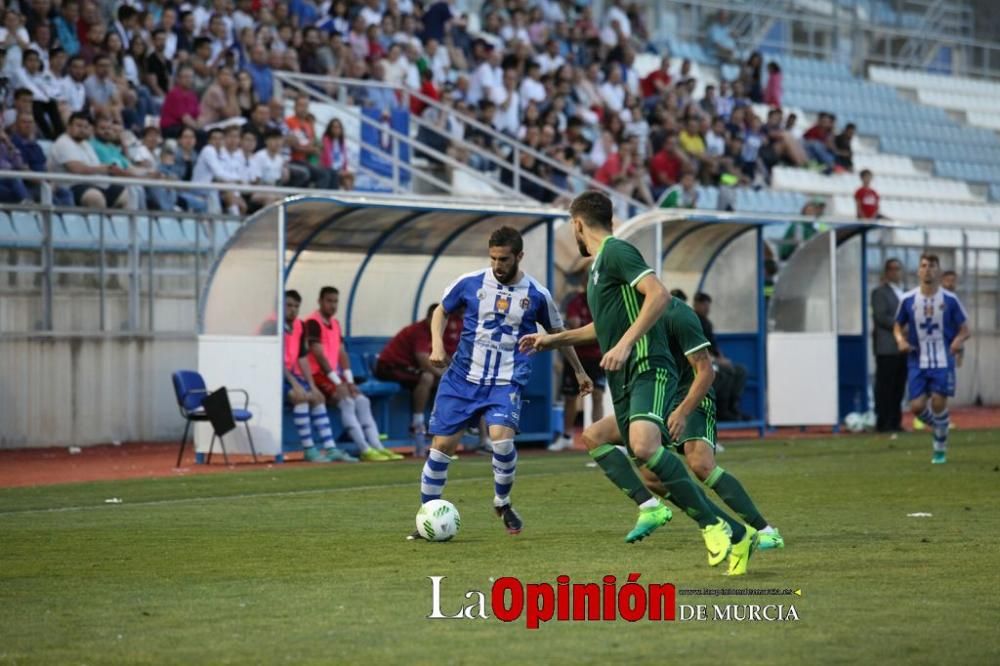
[735,496]
[363,409]
[434,475]
[684,492]
[619,471]
[300,415]
[321,421]
[504,467]
[349,419]
[941,423]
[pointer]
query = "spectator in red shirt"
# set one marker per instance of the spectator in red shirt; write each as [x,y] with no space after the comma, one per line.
[180,108]
[866,198]
[577,316]
[657,82]
[406,359]
[665,165]
[818,141]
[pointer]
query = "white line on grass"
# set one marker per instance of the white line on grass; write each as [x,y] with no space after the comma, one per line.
[285,493]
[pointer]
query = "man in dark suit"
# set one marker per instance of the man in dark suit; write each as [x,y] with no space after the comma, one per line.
[890,365]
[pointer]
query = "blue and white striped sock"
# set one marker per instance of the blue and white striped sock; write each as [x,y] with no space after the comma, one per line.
[504,467]
[927,416]
[434,475]
[941,423]
[321,421]
[300,415]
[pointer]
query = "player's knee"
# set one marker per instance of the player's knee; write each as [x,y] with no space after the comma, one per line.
[702,468]
[590,438]
[426,380]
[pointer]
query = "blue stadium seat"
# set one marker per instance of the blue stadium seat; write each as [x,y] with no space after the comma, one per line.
[78,233]
[27,229]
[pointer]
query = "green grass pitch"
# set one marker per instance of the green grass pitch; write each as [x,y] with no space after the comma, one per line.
[309,564]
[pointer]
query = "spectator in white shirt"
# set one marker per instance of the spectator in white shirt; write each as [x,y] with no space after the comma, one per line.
[617,26]
[268,167]
[516,30]
[532,89]
[486,76]
[507,99]
[371,13]
[395,66]
[613,90]
[438,59]
[550,60]
[72,84]
[45,91]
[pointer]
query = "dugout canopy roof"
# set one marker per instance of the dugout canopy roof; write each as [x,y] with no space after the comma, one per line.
[390,257]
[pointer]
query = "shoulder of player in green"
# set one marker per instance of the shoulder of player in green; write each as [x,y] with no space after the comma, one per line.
[684,326]
[623,261]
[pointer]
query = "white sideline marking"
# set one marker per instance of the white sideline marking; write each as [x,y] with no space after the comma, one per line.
[286,493]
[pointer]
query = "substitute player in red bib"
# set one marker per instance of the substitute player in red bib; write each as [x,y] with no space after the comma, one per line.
[308,404]
[331,370]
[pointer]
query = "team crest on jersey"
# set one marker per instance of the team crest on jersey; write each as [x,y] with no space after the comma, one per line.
[481,294]
[502,303]
[525,303]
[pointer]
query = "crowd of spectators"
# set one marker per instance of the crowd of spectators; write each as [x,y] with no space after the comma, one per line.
[188,92]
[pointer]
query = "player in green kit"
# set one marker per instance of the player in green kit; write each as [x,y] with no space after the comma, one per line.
[627,301]
[692,422]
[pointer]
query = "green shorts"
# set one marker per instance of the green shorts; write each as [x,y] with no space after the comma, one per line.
[646,398]
[700,425]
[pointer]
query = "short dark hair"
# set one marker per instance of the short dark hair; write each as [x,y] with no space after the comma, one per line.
[30,52]
[23,92]
[865,172]
[891,260]
[930,257]
[702,297]
[294,295]
[152,129]
[79,115]
[328,290]
[271,133]
[594,208]
[679,294]
[212,132]
[507,237]
[430,309]
[949,274]
[850,126]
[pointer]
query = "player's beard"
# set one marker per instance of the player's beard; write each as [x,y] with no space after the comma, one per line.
[505,278]
[580,245]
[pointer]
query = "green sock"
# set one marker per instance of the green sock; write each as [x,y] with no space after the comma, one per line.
[619,470]
[684,492]
[735,496]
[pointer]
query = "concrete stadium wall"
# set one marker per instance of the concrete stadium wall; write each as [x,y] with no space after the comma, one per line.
[60,391]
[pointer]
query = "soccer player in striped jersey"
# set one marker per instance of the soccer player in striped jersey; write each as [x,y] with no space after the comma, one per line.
[502,304]
[627,302]
[308,404]
[931,327]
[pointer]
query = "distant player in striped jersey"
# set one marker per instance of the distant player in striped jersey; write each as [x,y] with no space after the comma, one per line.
[502,305]
[308,403]
[931,327]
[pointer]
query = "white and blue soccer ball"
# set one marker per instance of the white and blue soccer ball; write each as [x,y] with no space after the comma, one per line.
[855,422]
[438,520]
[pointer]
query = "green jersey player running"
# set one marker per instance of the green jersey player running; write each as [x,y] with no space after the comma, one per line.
[692,422]
[627,302]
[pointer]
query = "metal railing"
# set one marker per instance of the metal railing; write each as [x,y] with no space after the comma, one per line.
[308,83]
[843,35]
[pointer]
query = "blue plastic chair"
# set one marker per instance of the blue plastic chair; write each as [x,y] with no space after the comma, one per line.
[190,390]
